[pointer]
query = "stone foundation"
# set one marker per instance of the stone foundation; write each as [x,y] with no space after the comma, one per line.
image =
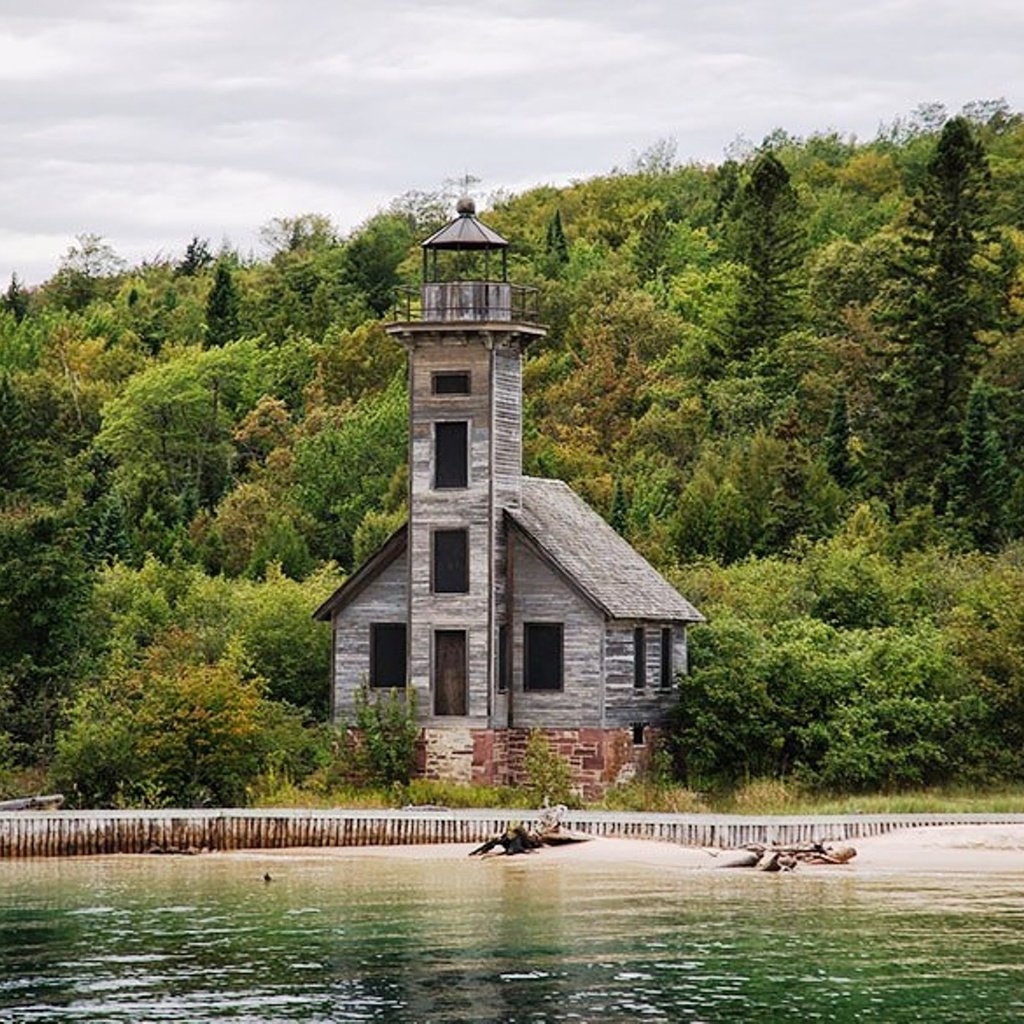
[597,758]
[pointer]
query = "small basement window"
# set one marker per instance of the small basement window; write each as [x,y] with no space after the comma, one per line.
[666,658]
[387,654]
[542,656]
[638,733]
[639,658]
[449,383]
[451,451]
[451,562]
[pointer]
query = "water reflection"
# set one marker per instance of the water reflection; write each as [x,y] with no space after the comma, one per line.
[362,939]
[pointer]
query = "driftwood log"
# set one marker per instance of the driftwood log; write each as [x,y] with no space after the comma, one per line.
[783,858]
[517,838]
[33,803]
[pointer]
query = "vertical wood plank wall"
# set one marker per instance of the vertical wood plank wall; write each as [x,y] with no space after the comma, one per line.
[71,833]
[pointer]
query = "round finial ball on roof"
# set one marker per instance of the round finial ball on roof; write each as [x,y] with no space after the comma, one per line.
[465,206]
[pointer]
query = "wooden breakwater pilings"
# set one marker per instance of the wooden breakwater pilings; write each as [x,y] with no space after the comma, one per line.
[71,833]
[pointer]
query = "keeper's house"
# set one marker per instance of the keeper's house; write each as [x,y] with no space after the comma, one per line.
[505,601]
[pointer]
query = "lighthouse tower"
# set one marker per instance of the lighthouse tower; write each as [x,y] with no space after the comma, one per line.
[465,350]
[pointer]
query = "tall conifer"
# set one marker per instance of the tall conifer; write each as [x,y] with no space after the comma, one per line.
[944,305]
[768,239]
[837,442]
[979,488]
[222,308]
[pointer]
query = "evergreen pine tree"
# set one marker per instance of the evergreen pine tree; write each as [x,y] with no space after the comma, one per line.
[651,253]
[556,246]
[14,473]
[222,308]
[767,237]
[620,510]
[945,303]
[980,486]
[196,259]
[15,299]
[837,442]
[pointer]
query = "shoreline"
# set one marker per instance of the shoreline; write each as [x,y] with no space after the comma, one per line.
[958,849]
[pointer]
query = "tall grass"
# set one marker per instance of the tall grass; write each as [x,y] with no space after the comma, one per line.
[758,797]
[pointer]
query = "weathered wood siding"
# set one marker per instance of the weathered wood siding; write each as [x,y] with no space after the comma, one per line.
[624,703]
[507,417]
[493,409]
[382,600]
[541,595]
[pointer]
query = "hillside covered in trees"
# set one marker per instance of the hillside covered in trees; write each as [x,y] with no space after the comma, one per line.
[794,381]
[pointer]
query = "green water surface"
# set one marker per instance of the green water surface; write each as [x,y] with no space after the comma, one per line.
[349,938]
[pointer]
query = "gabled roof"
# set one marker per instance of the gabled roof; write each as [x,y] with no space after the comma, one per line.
[364,575]
[586,550]
[576,541]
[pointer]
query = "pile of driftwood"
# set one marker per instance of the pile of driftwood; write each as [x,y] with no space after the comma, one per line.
[517,838]
[782,858]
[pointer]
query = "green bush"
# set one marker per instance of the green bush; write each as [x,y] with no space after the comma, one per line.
[548,775]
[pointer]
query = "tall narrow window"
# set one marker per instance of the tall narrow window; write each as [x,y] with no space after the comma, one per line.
[666,658]
[542,656]
[451,450]
[387,654]
[450,383]
[503,660]
[451,562]
[639,658]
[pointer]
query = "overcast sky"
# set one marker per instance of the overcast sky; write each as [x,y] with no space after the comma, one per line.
[150,121]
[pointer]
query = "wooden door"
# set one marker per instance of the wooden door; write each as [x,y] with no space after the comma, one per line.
[450,672]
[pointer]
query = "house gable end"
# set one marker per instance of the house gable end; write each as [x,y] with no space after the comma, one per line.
[391,549]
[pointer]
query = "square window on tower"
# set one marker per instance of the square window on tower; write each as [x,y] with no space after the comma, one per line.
[450,383]
[451,454]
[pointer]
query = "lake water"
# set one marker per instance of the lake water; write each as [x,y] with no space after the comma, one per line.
[382,939]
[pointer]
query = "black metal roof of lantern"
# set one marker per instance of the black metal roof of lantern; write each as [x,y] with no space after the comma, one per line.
[464,234]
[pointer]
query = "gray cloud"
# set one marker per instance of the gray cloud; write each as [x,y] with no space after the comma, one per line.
[152,120]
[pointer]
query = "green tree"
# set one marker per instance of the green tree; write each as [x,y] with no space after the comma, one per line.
[196,259]
[980,485]
[14,439]
[620,510]
[768,240]
[222,308]
[16,299]
[944,303]
[837,441]
[87,271]
[652,245]
[555,245]
[372,259]
[44,587]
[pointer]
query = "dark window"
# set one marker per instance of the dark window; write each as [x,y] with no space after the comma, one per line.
[450,384]
[503,665]
[638,734]
[666,658]
[451,562]
[639,658]
[387,654]
[451,467]
[543,656]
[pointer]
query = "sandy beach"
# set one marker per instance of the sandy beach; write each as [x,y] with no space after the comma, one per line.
[974,849]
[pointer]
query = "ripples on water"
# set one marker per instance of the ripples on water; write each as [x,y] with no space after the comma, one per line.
[362,939]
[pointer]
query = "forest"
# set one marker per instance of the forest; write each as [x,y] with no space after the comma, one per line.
[793,379]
